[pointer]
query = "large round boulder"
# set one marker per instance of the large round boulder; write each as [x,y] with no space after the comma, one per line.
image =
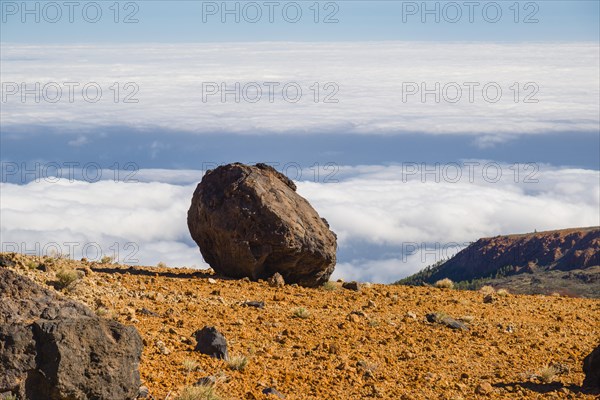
[249,222]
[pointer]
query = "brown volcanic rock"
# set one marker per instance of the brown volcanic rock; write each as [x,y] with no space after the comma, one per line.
[55,348]
[249,222]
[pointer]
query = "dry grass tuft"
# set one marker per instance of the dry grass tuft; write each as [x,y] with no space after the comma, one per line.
[487,289]
[444,284]
[198,392]
[66,277]
[301,312]
[547,374]
[237,363]
[190,365]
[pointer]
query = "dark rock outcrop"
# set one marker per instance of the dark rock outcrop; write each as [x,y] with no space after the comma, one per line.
[249,222]
[211,342]
[591,367]
[54,348]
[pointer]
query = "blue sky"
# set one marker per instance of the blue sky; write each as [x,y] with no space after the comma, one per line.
[346,20]
[382,92]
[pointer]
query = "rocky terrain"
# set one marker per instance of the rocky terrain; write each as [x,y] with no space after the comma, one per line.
[566,261]
[331,342]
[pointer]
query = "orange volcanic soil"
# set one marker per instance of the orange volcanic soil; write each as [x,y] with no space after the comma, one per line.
[334,343]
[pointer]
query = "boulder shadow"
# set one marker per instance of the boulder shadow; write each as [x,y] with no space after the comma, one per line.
[545,388]
[149,272]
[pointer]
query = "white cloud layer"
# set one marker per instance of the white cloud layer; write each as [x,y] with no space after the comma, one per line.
[370,77]
[370,205]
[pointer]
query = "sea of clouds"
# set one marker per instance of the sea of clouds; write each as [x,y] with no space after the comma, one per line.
[402,222]
[379,215]
[371,83]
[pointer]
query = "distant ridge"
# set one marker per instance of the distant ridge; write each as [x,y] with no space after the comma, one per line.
[512,260]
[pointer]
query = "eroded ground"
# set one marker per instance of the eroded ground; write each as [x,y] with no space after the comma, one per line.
[344,344]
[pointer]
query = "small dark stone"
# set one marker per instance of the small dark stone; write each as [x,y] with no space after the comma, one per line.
[489,298]
[255,304]
[274,392]
[351,285]
[441,318]
[207,381]
[211,342]
[145,311]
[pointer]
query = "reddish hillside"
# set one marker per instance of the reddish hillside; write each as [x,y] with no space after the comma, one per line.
[499,256]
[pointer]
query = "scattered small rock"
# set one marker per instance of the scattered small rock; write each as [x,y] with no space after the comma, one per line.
[561,368]
[211,280]
[143,393]
[211,342]
[484,388]
[186,340]
[489,298]
[162,348]
[447,320]
[334,349]
[406,355]
[276,280]
[145,311]
[274,392]
[351,285]
[255,304]
[410,315]
[207,381]
[342,366]
[353,318]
